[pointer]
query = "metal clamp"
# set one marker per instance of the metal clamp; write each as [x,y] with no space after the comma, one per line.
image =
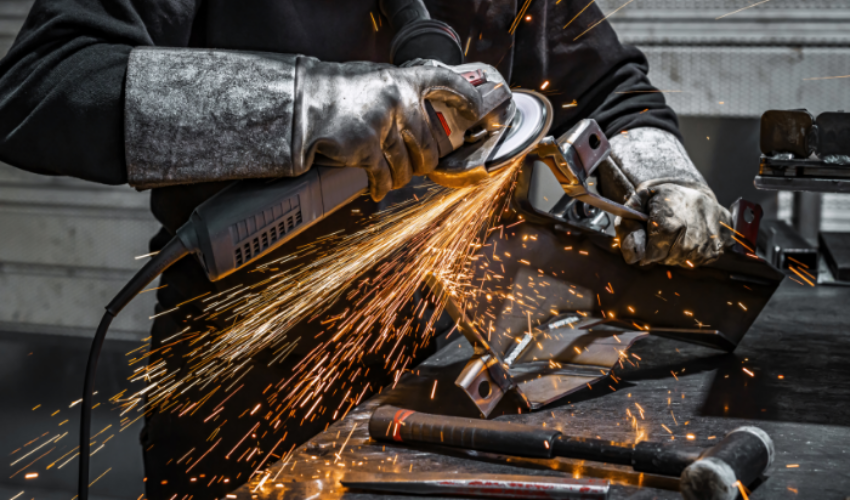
[573,157]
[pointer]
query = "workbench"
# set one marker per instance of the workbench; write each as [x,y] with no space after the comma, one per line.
[798,353]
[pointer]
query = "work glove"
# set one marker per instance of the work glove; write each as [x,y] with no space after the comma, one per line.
[649,170]
[372,116]
[202,115]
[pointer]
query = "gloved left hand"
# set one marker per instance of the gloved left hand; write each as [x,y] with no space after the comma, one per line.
[650,171]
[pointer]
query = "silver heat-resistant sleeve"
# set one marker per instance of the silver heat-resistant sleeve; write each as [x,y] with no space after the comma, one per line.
[198,115]
[647,156]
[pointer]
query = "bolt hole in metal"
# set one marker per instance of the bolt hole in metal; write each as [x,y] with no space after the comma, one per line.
[749,215]
[594,141]
[583,211]
[484,389]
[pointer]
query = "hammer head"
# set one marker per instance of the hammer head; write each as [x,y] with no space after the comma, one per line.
[743,455]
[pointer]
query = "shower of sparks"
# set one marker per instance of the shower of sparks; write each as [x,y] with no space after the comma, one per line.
[579,13]
[825,78]
[597,23]
[519,16]
[378,269]
[741,10]
[653,92]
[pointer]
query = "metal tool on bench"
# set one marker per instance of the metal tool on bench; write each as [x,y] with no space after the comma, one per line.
[804,153]
[513,486]
[706,474]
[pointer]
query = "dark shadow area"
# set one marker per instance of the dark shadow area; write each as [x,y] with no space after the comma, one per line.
[801,379]
[43,376]
[726,152]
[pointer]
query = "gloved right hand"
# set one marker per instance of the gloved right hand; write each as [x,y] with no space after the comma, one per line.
[372,116]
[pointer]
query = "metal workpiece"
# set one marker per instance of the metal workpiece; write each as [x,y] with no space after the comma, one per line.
[591,277]
[573,158]
[836,252]
[746,221]
[514,486]
[588,267]
[480,385]
[602,305]
[553,368]
[544,364]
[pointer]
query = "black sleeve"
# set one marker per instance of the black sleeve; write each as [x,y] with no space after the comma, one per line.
[61,84]
[586,65]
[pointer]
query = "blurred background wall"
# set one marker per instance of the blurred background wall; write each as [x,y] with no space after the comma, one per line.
[66,246]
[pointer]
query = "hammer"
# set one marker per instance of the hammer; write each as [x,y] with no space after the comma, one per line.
[710,474]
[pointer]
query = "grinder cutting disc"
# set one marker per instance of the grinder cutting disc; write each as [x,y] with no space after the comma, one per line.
[530,124]
[474,162]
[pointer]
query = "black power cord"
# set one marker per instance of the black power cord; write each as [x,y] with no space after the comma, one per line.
[171,253]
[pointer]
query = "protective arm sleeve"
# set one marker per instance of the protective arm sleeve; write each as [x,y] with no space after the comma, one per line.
[644,157]
[196,115]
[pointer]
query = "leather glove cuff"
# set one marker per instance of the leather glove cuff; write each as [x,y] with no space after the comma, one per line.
[643,158]
[198,115]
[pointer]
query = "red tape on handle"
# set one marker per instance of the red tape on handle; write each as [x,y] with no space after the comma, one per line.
[398,419]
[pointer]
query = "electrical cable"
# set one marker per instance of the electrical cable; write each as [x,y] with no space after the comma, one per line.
[173,251]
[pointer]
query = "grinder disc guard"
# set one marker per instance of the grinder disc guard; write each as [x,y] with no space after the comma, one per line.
[531,123]
[474,162]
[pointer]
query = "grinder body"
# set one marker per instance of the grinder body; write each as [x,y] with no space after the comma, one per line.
[252,217]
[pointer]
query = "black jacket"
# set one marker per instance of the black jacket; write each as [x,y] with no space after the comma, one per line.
[61,84]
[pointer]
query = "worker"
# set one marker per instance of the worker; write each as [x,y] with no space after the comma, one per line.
[182,96]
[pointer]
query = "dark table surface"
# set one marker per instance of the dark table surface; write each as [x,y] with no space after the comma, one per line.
[798,352]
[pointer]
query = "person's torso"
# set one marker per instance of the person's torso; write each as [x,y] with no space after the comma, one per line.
[349,30]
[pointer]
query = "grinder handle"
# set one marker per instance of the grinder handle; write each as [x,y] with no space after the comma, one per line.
[390,423]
